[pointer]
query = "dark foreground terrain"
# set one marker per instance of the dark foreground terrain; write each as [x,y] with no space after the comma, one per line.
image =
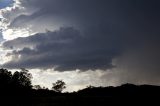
[127,94]
[16,89]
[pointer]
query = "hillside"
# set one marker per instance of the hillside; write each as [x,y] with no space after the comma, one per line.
[17,90]
[98,96]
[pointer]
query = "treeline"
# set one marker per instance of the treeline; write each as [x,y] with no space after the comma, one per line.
[21,81]
[16,89]
[10,83]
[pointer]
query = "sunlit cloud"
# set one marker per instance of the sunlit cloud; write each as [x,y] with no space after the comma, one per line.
[75,80]
[10,34]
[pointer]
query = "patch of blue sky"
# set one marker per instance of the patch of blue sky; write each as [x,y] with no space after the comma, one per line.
[5,3]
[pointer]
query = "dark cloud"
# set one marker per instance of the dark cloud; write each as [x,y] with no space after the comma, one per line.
[102,31]
[65,49]
[49,14]
[139,65]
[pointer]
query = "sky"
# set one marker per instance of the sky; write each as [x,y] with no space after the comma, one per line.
[82,42]
[5,3]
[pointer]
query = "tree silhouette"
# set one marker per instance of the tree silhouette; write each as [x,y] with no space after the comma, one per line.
[17,90]
[22,79]
[58,86]
[5,78]
[90,87]
[37,87]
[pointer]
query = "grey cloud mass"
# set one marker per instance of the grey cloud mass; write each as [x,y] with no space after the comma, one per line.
[64,49]
[1,37]
[89,35]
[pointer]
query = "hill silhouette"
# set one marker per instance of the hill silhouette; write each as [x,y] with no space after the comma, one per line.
[16,89]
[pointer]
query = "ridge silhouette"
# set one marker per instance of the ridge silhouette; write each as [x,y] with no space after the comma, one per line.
[16,89]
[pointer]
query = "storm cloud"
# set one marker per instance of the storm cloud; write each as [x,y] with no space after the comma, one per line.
[117,35]
[65,49]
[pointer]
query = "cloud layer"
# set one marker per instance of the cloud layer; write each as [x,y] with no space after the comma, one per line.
[64,49]
[101,31]
[87,35]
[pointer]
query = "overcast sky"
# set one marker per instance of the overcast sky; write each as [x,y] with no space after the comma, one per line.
[83,42]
